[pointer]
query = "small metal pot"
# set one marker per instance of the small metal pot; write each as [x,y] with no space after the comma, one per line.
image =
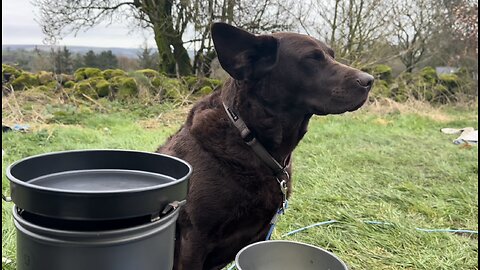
[278,255]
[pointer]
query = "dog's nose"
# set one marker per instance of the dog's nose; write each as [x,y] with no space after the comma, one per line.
[365,80]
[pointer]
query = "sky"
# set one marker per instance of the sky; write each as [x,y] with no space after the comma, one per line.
[19,27]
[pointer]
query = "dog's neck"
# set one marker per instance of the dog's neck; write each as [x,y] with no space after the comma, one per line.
[276,124]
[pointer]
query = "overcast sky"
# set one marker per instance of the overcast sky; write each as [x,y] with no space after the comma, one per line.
[19,27]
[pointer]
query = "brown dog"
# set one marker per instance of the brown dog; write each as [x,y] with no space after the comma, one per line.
[278,82]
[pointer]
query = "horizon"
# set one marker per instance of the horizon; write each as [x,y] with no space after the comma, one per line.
[78,46]
[20,28]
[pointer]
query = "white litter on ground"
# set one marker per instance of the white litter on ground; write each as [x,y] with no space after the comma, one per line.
[467,135]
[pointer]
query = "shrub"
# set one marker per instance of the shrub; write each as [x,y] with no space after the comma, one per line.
[441,94]
[429,74]
[382,72]
[449,80]
[399,91]
[380,89]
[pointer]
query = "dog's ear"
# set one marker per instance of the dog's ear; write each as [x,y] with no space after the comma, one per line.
[243,55]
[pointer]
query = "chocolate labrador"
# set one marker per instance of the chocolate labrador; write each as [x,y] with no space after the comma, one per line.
[238,136]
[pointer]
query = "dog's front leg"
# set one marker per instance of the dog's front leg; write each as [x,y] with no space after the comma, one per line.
[190,251]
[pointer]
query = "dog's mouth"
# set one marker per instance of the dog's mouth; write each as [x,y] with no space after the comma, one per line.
[340,106]
[359,105]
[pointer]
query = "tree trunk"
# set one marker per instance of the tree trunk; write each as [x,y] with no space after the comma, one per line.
[174,57]
[184,66]
[167,60]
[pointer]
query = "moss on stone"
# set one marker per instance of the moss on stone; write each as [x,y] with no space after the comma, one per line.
[206,90]
[149,73]
[92,72]
[196,84]
[69,84]
[43,88]
[110,73]
[45,77]
[157,82]
[173,89]
[124,87]
[8,69]
[79,74]
[84,88]
[52,85]
[63,78]
[25,80]
[102,88]
[190,81]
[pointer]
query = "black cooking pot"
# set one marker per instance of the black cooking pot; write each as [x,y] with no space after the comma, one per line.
[98,184]
[97,209]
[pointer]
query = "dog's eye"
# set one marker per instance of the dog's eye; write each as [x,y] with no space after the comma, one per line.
[316,55]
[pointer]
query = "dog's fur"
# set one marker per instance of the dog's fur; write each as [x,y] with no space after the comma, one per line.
[278,82]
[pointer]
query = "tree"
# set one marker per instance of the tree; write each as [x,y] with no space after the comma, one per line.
[40,61]
[106,59]
[166,18]
[352,28]
[413,25]
[90,59]
[127,64]
[147,59]
[257,16]
[77,61]
[62,61]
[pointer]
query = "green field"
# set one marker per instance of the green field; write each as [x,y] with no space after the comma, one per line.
[384,163]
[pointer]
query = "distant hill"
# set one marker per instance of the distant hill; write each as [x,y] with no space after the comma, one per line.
[127,52]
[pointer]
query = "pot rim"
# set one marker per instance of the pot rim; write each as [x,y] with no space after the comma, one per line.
[17,181]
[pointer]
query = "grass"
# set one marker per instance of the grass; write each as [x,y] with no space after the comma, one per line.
[386,162]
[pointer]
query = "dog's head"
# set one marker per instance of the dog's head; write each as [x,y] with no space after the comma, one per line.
[302,69]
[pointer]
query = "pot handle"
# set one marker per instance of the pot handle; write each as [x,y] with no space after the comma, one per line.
[169,208]
[6,198]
